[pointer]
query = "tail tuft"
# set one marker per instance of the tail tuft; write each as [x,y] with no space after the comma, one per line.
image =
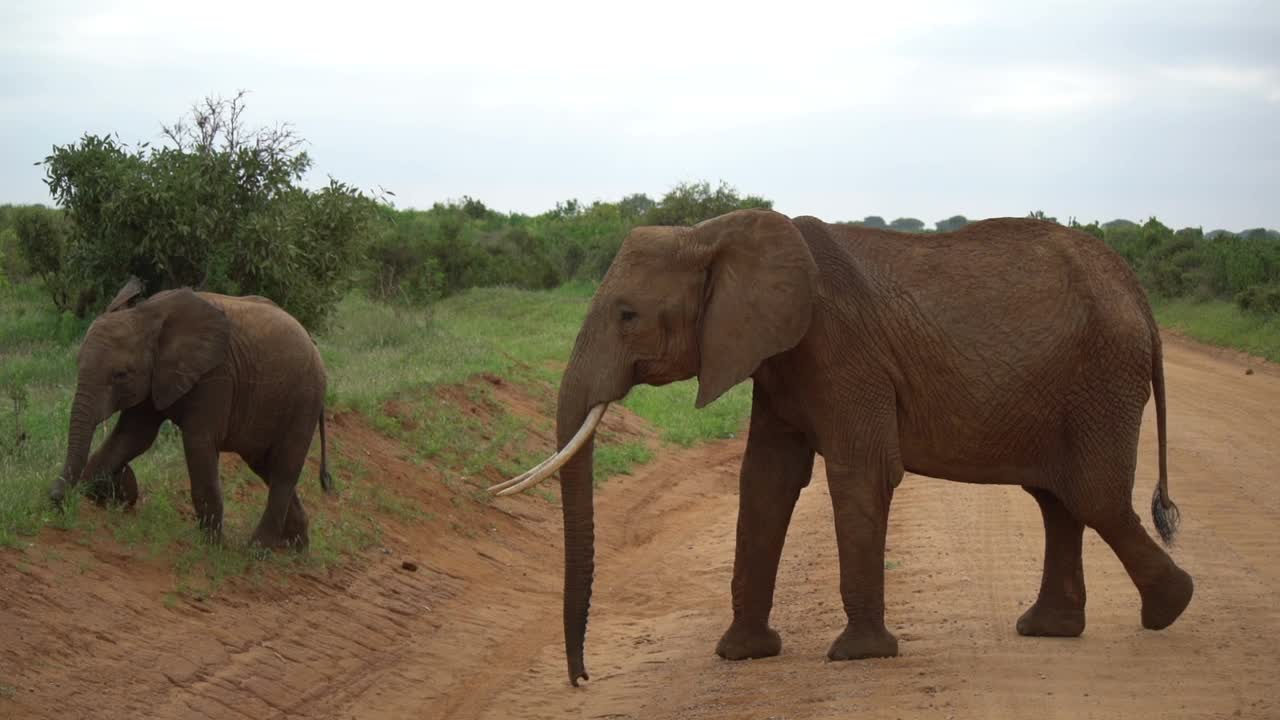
[326,480]
[1165,515]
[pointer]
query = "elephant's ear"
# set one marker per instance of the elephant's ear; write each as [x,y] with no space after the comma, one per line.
[131,290]
[758,301]
[191,338]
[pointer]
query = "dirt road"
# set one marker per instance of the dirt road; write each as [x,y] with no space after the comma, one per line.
[475,633]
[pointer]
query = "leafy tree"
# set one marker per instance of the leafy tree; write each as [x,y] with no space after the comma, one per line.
[636,205]
[873,221]
[1173,262]
[906,224]
[1260,300]
[218,208]
[1092,228]
[474,209]
[41,235]
[12,265]
[1118,223]
[691,203]
[951,224]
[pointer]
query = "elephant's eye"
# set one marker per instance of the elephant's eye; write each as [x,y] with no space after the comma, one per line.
[628,315]
[119,375]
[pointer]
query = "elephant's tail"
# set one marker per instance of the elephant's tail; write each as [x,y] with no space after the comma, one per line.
[1163,511]
[326,480]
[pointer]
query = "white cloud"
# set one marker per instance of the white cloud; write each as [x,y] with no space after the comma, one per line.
[1260,82]
[1046,91]
[898,105]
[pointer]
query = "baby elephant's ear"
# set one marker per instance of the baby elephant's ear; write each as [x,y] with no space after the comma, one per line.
[127,295]
[192,337]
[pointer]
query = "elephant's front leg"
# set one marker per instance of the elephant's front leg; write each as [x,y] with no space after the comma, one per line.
[206,491]
[776,466]
[108,473]
[860,497]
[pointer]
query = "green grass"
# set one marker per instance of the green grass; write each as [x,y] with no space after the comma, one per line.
[373,353]
[1223,324]
[670,409]
[619,459]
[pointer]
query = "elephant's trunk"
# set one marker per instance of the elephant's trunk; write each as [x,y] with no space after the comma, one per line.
[85,416]
[576,484]
[586,389]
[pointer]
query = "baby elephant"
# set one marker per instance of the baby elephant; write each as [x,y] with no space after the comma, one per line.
[233,373]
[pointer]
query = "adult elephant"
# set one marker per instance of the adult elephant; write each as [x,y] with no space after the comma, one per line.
[1012,351]
[233,373]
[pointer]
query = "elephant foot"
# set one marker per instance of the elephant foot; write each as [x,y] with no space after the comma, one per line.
[864,640]
[211,536]
[120,489]
[297,540]
[1045,621]
[1165,600]
[210,528]
[742,641]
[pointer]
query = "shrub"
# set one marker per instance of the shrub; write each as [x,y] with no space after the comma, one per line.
[220,208]
[910,225]
[1260,300]
[41,238]
[691,203]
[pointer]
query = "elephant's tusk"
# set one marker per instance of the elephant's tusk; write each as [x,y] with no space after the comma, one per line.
[555,462]
[508,483]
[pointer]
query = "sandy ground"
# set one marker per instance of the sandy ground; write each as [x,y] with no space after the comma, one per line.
[476,631]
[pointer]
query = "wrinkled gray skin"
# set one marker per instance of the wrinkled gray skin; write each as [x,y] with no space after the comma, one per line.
[1012,351]
[233,373]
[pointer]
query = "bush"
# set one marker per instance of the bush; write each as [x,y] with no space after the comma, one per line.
[1260,299]
[1092,228]
[41,238]
[691,203]
[218,209]
[909,225]
[421,256]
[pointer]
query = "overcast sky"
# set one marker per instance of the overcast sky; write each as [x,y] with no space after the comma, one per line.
[1095,110]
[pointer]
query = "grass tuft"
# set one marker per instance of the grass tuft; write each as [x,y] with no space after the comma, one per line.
[1223,324]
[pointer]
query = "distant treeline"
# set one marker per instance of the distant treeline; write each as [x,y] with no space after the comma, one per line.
[417,256]
[305,257]
[220,207]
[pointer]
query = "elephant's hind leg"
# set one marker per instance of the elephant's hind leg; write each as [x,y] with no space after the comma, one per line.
[284,522]
[1059,609]
[1165,588]
[1106,505]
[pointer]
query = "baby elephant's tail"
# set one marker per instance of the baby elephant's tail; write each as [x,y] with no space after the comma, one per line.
[326,480]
